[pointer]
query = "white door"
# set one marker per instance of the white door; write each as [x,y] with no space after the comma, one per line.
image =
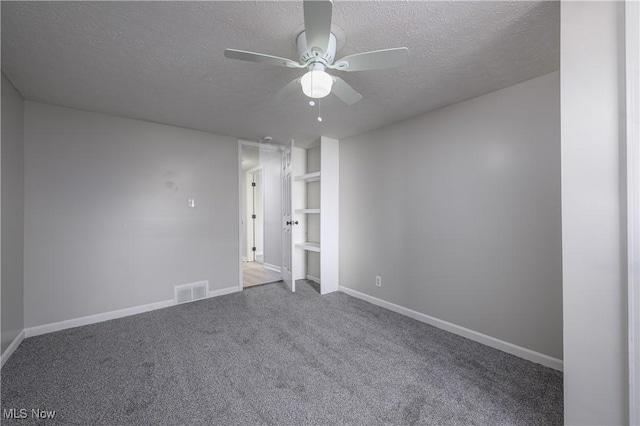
[287,218]
[255,205]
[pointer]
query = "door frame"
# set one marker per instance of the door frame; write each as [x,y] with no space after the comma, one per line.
[286,213]
[241,193]
[632,66]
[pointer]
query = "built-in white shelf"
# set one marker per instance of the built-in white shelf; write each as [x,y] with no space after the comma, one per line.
[311,211]
[309,246]
[309,177]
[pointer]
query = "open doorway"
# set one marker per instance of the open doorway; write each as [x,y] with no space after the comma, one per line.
[260,214]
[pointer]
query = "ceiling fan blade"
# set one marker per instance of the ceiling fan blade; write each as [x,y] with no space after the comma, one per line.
[317,23]
[345,92]
[288,90]
[375,60]
[260,58]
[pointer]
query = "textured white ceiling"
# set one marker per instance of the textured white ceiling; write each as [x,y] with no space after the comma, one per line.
[163,61]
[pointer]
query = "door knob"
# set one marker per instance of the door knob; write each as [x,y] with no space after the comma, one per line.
[295,223]
[288,222]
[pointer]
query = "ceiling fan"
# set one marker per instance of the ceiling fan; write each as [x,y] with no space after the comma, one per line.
[317,48]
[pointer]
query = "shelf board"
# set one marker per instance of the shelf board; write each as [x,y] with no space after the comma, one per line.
[308,211]
[309,246]
[309,177]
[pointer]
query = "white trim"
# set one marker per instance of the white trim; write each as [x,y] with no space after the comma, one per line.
[314,279]
[329,215]
[244,259]
[240,218]
[507,347]
[223,291]
[106,316]
[271,267]
[632,43]
[92,319]
[11,348]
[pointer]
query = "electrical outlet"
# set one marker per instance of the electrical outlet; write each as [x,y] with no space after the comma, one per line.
[378,281]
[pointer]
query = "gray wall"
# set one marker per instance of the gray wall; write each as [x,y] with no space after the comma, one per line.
[12,213]
[593,235]
[459,211]
[106,219]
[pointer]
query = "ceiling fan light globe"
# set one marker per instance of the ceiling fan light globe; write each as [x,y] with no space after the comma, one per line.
[316,84]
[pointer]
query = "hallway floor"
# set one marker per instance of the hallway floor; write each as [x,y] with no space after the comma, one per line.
[254,273]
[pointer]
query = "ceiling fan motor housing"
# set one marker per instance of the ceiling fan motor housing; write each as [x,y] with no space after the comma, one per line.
[313,54]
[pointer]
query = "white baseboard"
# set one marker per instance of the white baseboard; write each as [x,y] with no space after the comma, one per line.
[507,347]
[92,319]
[314,279]
[271,267]
[224,291]
[12,347]
[106,316]
[244,259]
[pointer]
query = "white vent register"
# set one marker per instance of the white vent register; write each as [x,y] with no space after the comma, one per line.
[190,292]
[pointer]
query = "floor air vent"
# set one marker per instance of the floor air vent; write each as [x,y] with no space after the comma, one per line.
[190,292]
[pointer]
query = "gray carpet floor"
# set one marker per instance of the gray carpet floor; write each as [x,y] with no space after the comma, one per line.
[267,356]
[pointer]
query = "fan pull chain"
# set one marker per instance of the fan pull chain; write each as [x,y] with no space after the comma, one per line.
[319,112]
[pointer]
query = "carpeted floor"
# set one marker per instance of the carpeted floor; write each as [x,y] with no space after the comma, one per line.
[267,356]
